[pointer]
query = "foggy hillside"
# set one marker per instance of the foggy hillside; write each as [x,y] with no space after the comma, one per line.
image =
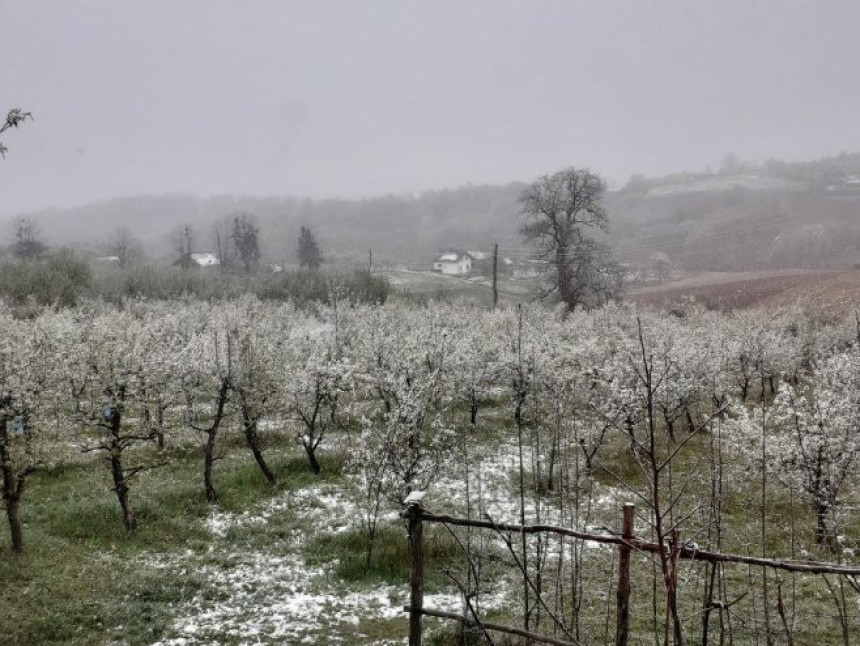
[777,215]
[395,227]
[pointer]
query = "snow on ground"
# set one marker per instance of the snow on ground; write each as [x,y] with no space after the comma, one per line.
[272,595]
[279,599]
[492,490]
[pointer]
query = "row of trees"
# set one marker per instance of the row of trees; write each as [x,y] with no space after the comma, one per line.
[235,239]
[142,373]
[681,415]
[559,208]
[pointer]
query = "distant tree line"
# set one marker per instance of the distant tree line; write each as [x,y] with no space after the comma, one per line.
[32,272]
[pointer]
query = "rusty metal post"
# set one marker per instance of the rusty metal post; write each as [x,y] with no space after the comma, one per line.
[623,593]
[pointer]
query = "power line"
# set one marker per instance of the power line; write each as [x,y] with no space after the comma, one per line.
[659,244]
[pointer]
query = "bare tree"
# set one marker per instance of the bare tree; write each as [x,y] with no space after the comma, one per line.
[559,209]
[26,232]
[183,239]
[124,246]
[14,118]
[222,237]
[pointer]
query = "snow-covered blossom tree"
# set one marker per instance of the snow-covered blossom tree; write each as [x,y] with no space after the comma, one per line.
[600,387]
[253,373]
[28,395]
[314,381]
[402,360]
[818,444]
[168,333]
[652,360]
[475,356]
[105,374]
[765,349]
[208,370]
[407,370]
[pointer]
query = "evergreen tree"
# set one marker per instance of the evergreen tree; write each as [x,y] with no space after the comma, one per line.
[309,251]
[246,241]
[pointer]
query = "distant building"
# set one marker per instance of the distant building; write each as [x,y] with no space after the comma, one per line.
[482,261]
[205,259]
[454,263]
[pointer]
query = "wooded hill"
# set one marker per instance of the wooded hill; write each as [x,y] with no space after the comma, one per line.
[776,215]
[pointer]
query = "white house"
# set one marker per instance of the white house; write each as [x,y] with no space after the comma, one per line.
[205,259]
[455,263]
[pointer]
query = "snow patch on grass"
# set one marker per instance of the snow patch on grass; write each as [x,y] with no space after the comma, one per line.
[278,599]
[274,596]
[270,594]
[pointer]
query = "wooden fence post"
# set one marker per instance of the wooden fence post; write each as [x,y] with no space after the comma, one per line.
[623,594]
[495,275]
[414,509]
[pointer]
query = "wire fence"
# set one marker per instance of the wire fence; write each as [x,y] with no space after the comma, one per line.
[670,551]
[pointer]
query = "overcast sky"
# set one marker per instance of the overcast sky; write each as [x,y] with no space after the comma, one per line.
[361,98]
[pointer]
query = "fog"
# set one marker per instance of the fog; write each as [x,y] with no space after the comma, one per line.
[347,99]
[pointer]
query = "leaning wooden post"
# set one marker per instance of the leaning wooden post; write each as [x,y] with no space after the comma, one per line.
[414,509]
[623,594]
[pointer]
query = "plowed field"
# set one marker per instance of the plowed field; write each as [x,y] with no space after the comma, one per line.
[831,294]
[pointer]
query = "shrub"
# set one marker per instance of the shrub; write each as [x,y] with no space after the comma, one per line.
[302,287]
[61,279]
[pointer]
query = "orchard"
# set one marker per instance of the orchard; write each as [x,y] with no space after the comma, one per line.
[741,430]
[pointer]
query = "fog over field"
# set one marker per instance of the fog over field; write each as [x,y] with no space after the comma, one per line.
[344,100]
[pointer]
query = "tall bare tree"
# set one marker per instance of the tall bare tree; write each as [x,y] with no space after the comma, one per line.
[124,246]
[222,237]
[559,210]
[183,239]
[27,244]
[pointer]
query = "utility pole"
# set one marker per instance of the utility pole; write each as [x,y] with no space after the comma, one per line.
[495,275]
[370,260]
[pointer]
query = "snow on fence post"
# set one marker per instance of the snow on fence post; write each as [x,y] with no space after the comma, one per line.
[414,510]
[623,593]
